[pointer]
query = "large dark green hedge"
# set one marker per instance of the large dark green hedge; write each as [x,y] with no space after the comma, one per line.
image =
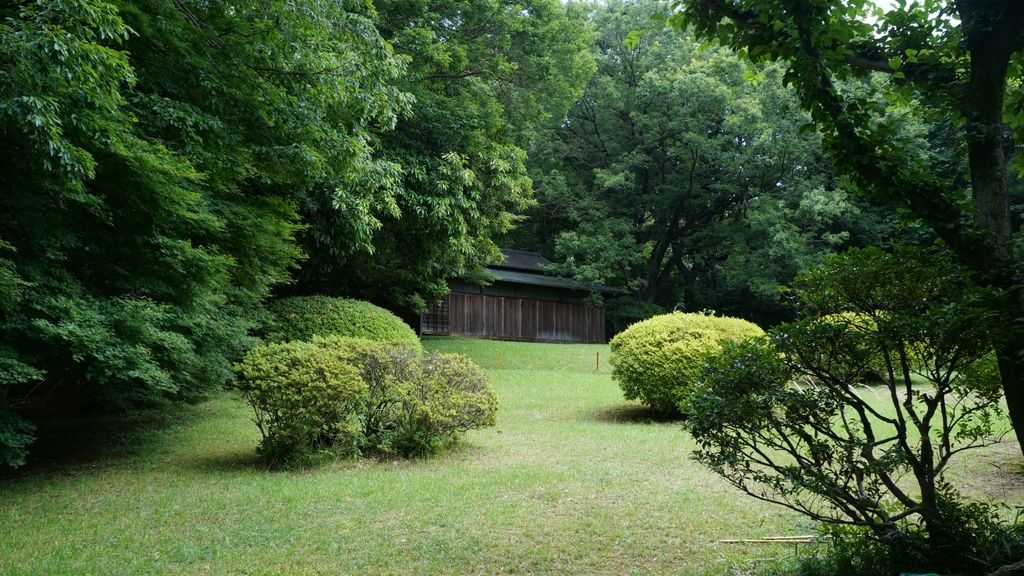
[303,317]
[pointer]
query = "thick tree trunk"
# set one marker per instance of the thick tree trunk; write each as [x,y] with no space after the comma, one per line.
[1011,369]
[653,287]
[992,36]
[992,33]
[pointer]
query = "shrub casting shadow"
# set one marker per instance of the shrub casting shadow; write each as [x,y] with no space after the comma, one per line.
[634,414]
[233,461]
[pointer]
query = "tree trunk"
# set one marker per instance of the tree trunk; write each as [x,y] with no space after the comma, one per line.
[992,33]
[992,37]
[1011,369]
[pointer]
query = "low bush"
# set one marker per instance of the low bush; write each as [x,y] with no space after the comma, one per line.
[303,317]
[982,543]
[345,396]
[451,396]
[656,361]
[385,369]
[866,324]
[416,404]
[307,401]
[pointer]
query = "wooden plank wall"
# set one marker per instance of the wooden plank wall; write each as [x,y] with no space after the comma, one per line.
[503,318]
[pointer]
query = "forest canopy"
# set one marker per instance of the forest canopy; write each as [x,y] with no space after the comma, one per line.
[169,167]
[689,177]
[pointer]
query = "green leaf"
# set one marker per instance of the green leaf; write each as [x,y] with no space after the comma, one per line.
[633,39]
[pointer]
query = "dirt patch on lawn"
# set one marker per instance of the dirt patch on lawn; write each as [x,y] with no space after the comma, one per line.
[995,473]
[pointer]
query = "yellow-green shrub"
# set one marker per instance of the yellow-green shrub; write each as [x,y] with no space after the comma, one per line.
[306,398]
[453,396]
[657,360]
[868,328]
[416,404]
[384,368]
[303,317]
[855,327]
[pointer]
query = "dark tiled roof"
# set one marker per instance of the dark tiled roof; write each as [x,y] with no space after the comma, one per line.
[522,260]
[525,267]
[515,277]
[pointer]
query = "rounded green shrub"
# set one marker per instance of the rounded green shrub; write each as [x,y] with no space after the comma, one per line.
[453,395]
[859,329]
[865,330]
[384,367]
[416,404]
[657,361]
[303,317]
[306,398]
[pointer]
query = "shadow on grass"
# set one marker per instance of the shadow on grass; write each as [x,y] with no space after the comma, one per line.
[71,440]
[998,472]
[246,459]
[235,461]
[634,414]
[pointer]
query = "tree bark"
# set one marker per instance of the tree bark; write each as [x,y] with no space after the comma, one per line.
[992,34]
[1011,370]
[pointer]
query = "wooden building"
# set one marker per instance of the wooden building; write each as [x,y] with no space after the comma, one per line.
[524,302]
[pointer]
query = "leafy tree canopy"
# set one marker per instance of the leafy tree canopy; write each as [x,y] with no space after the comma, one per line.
[483,77]
[685,175]
[956,65]
[788,419]
[153,156]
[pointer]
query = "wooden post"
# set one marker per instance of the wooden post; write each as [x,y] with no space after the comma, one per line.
[597,361]
[499,359]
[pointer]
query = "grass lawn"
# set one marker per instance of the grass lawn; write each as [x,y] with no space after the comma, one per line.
[572,480]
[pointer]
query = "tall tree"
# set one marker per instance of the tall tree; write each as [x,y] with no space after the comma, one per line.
[953,62]
[153,154]
[684,175]
[482,75]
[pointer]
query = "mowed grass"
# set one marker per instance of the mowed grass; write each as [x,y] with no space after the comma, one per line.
[573,480]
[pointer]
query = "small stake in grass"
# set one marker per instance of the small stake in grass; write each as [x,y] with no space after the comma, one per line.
[597,361]
[770,540]
[499,359]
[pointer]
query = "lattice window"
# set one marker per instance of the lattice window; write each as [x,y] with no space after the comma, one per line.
[435,319]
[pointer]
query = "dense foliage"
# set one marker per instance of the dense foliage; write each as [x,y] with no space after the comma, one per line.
[304,317]
[417,404]
[16,434]
[306,400]
[684,175]
[340,396]
[146,164]
[845,551]
[952,65]
[482,76]
[453,396]
[657,361]
[166,164]
[787,419]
